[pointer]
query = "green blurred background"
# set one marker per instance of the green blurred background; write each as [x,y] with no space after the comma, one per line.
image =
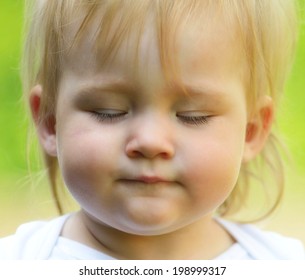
[24,197]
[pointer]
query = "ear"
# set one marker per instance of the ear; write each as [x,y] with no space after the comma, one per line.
[46,127]
[258,128]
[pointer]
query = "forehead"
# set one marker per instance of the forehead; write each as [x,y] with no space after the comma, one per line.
[96,37]
[180,43]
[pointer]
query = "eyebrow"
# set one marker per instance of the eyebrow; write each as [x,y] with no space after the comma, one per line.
[193,91]
[109,85]
[123,86]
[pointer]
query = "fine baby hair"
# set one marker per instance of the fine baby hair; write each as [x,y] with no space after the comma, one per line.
[265,30]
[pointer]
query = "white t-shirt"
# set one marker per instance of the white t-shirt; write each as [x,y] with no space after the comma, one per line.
[66,249]
[42,241]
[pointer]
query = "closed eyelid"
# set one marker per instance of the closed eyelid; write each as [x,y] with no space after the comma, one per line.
[194,119]
[108,115]
[202,95]
[121,91]
[93,95]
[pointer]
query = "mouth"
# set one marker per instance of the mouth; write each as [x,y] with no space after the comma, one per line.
[148,186]
[147,180]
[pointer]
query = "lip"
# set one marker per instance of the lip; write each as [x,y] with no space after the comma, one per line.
[148,179]
[151,179]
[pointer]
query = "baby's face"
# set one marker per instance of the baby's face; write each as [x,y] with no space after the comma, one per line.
[136,152]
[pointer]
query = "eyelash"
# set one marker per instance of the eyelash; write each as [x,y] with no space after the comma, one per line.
[110,117]
[194,120]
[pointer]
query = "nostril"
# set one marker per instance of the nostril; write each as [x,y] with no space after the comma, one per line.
[149,148]
[134,154]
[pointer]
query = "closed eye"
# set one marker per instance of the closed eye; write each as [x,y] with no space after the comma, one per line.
[108,115]
[193,119]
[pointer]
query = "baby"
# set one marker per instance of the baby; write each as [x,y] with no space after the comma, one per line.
[152,111]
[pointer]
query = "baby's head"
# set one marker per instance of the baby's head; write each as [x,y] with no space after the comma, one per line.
[155,74]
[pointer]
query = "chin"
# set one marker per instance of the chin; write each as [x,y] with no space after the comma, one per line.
[150,219]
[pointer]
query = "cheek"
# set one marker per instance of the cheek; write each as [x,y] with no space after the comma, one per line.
[86,159]
[213,168]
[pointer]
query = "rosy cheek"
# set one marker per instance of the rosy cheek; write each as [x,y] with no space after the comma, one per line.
[212,171]
[80,156]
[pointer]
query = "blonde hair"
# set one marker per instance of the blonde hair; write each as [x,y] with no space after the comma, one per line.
[267,30]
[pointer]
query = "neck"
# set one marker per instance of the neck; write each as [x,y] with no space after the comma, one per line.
[204,239]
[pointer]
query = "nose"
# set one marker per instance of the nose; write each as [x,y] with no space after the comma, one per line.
[150,137]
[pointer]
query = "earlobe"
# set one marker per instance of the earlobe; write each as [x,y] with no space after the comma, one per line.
[46,126]
[258,128]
